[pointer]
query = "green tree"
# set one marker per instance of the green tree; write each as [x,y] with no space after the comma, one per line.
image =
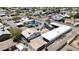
[15,18]
[48,21]
[15,33]
[76,15]
[28,14]
[18,10]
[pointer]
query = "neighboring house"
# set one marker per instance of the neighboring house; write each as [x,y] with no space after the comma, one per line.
[5,45]
[5,41]
[2,12]
[25,19]
[32,23]
[21,47]
[55,33]
[4,33]
[30,34]
[49,27]
[37,12]
[69,21]
[65,15]
[57,17]
[37,44]
[55,24]
[19,24]
[22,21]
[65,12]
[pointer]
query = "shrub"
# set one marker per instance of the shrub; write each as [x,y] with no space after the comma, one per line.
[28,14]
[48,21]
[15,18]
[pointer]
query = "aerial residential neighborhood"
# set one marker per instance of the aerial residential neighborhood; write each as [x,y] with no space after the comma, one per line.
[39,29]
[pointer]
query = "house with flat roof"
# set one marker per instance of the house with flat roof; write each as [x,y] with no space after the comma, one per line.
[56,24]
[2,12]
[4,33]
[21,47]
[61,42]
[6,44]
[37,44]
[57,17]
[22,21]
[25,19]
[19,24]
[55,33]
[30,34]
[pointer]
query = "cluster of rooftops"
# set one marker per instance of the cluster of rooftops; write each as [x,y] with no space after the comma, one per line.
[35,38]
[47,37]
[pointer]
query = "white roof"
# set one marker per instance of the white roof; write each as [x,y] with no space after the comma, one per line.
[20,46]
[26,33]
[57,17]
[55,23]
[4,32]
[20,23]
[25,19]
[1,14]
[52,35]
[65,15]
